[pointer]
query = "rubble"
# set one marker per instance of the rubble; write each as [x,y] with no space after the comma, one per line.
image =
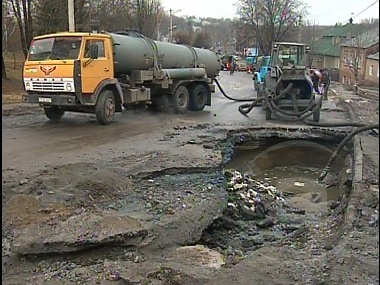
[253,198]
[78,232]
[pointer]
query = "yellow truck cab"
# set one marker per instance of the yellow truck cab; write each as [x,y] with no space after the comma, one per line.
[101,72]
[62,64]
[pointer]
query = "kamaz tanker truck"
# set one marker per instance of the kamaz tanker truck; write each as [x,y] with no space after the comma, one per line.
[101,72]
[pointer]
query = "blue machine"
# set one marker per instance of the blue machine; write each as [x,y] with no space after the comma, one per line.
[263,63]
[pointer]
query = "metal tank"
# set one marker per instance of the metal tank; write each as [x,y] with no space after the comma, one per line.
[140,53]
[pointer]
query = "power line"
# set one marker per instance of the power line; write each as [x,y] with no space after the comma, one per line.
[366,9]
[331,11]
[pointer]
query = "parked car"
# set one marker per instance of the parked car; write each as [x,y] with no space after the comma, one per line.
[241,66]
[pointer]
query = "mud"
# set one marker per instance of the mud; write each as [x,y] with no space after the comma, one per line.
[164,175]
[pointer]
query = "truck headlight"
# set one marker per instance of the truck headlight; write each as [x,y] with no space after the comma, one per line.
[28,86]
[68,87]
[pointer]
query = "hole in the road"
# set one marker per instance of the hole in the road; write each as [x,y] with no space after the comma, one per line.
[274,194]
[290,165]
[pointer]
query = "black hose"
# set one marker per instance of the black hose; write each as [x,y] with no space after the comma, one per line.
[230,98]
[342,144]
[246,108]
[301,116]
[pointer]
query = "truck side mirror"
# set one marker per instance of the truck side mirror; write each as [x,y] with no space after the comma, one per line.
[94,51]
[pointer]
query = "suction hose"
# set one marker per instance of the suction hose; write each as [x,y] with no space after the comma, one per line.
[234,99]
[342,144]
[301,116]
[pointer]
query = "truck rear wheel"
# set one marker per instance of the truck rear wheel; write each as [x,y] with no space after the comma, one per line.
[198,98]
[105,107]
[54,113]
[180,100]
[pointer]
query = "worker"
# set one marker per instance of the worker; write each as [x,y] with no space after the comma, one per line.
[232,65]
[326,79]
[315,79]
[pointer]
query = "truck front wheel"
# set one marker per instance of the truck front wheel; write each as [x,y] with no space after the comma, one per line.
[54,113]
[180,100]
[105,107]
[198,98]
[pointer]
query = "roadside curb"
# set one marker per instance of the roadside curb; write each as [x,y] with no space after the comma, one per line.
[357,179]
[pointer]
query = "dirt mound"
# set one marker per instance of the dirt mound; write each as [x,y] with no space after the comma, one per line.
[23,210]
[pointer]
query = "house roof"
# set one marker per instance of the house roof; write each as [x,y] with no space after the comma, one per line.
[326,45]
[364,40]
[341,31]
[374,56]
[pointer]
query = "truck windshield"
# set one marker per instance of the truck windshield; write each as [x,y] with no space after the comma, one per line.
[55,48]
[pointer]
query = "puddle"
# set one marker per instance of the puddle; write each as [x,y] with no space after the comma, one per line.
[291,165]
[274,196]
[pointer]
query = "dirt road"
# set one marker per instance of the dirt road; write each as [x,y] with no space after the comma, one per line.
[130,203]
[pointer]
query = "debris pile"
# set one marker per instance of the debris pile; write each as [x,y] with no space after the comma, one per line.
[253,199]
[257,214]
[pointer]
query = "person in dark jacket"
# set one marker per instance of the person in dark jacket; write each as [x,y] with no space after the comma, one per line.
[315,80]
[326,79]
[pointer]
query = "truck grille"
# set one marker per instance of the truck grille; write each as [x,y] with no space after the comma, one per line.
[48,86]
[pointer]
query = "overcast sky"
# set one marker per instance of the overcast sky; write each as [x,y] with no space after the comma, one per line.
[324,12]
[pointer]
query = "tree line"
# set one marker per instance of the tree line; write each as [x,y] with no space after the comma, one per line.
[257,22]
[261,20]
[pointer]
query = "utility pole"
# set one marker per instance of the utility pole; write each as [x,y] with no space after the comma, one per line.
[171,26]
[171,12]
[70,6]
[299,37]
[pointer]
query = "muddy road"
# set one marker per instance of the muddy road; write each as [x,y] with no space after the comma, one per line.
[178,199]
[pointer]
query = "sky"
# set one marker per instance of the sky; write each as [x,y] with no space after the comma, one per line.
[323,12]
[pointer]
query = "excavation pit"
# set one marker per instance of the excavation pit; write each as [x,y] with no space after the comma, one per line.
[274,195]
[293,166]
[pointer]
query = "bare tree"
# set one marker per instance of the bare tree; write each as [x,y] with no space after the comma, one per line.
[243,34]
[311,35]
[183,38]
[9,25]
[113,15]
[356,50]
[22,10]
[143,15]
[146,15]
[3,69]
[51,15]
[270,20]
[202,40]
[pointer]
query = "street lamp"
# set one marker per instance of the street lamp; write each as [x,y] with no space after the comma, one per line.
[171,12]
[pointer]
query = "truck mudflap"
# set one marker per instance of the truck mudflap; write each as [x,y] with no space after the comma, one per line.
[56,100]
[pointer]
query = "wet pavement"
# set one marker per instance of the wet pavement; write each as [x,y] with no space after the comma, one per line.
[163,172]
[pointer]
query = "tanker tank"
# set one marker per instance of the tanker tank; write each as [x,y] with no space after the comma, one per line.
[141,53]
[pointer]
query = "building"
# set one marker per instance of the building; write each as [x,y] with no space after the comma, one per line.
[371,76]
[326,50]
[354,53]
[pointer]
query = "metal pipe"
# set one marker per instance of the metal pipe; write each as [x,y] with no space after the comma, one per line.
[184,73]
